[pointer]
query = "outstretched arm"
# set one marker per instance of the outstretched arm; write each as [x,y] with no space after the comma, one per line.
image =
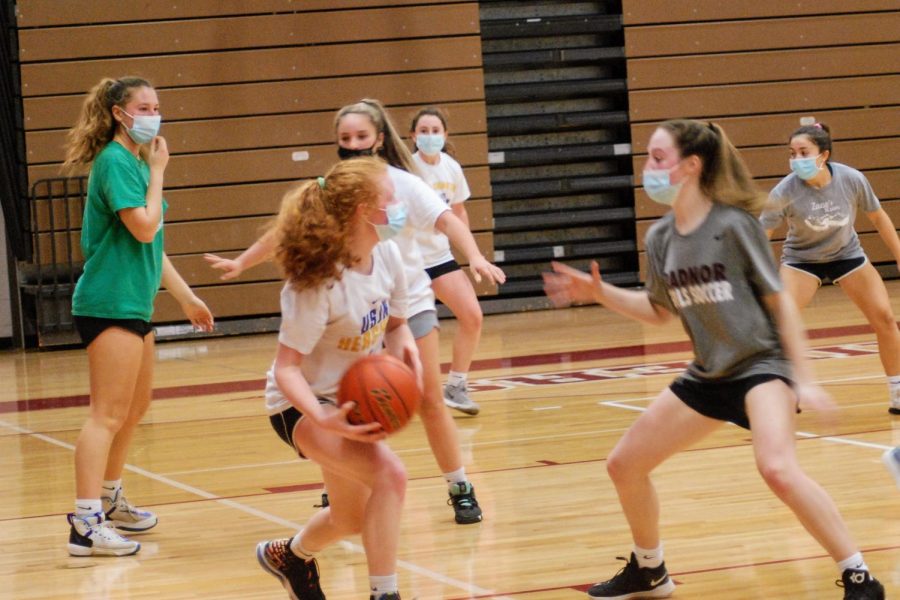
[565,286]
[261,251]
[461,238]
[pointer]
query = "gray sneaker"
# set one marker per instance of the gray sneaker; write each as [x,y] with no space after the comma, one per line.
[457,396]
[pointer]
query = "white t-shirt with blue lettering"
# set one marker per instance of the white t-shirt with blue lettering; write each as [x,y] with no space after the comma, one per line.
[447,179]
[423,209]
[337,323]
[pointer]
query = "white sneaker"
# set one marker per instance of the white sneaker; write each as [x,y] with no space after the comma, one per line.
[891,460]
[92,534]
[894,408]
[457,396]
[126,517]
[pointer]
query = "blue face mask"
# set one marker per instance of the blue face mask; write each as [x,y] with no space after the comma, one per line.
[659,188]
[396,215]
[805,168]
[430,144]
[144,128]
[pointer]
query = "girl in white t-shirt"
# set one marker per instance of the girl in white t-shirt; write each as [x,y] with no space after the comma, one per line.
[450,284]
[345,294]
[364,129]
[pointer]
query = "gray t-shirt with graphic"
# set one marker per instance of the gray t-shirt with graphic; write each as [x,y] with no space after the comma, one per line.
[714,279]
[820,221]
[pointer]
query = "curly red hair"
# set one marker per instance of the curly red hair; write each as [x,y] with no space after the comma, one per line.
[314,224]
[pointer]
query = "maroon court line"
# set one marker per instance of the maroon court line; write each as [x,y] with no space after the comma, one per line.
[224,387]
[584,587]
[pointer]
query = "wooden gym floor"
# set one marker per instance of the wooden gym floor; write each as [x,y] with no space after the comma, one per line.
[557,388]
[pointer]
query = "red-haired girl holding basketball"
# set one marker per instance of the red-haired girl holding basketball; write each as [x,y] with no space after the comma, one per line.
[364,129]
[710,264]
[345,294]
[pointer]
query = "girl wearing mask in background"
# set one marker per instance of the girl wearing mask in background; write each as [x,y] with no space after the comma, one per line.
[819,201]
[450,284]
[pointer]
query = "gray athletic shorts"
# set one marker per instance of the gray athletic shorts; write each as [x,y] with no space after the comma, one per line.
[422,323]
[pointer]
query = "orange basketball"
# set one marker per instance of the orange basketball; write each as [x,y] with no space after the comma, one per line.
[384,389]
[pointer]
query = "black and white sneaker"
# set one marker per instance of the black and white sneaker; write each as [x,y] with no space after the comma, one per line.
[465,505]
[92,535]
[634,581]
[859,584]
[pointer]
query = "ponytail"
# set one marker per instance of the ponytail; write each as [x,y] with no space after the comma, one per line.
[725,177]
[96,127]
[315,222]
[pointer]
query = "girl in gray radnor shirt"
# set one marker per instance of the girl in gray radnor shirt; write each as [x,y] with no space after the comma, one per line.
[819,200]
[709,263]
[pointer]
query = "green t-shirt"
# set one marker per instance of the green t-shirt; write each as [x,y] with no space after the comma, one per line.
[121,275]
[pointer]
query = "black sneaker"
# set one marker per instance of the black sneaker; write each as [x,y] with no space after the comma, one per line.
[462,498]
[634,581]
[391,596]
[299,577]
[325,502]
[859,584]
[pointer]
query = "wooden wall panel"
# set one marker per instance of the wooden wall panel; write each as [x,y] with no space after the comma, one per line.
[248,93]
[640,12]
[281,97]
[756,69]
[247,32]
[762,34]
[241,66]
[44,13]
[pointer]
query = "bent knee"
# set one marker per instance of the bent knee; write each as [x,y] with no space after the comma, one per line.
[883,322]
[779,475]
[392,473]
[621,468]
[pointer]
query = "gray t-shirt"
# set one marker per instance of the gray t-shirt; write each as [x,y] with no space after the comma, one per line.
[714,279]
[820,221]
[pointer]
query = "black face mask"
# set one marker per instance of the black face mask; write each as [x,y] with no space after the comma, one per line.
[345,153]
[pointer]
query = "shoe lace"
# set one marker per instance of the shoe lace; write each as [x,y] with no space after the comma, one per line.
[463,500]
[626,574]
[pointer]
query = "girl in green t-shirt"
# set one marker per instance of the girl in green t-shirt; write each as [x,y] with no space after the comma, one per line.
[122,244]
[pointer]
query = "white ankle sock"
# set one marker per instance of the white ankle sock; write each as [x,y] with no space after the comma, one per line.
[649,559]
[457,476]
[383,584]
[298,549]
[110,487]
[456,378]
[85,507]
[853,562]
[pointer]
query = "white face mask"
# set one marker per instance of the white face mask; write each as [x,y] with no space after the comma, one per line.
[144,128]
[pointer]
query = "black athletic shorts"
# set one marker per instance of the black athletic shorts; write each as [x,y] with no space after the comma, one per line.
[91,327]
[284,423]
[722,400]
[442,269]
[830,272]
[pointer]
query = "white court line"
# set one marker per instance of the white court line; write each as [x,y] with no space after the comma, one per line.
[546,408]
[469,588]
